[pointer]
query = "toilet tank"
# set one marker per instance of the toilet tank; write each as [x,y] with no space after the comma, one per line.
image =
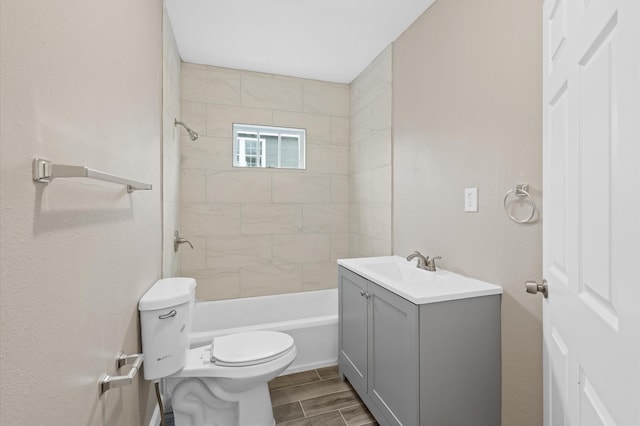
[166,311]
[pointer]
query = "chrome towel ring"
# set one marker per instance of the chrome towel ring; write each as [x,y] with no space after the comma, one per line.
[521,190]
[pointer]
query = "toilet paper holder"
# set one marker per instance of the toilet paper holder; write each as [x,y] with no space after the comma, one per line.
[106,382]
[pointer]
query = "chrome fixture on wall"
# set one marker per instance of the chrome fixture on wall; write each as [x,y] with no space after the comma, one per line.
[106,382]
[177,240]
[192,134]
[46,171]
[521,191]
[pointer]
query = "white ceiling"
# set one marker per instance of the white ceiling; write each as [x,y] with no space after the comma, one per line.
[330,40]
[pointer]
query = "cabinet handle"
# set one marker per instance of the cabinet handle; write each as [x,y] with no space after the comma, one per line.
[365,294]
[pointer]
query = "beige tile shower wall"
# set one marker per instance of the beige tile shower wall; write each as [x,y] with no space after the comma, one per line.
[467,113]
[259,232]
[370,160]
[171,64]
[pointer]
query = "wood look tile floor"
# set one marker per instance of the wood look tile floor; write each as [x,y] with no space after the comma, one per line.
[317,398]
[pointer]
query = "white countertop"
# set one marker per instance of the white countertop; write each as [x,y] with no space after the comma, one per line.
[419,286]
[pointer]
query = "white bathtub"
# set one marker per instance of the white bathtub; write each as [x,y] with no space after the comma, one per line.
[311,318]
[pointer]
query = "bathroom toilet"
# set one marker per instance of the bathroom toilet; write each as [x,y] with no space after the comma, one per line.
[224,383]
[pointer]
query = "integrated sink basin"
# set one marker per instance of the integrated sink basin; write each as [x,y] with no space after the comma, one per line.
[419,286]
[405,273]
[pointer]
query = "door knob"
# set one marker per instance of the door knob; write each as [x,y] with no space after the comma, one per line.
[533,288]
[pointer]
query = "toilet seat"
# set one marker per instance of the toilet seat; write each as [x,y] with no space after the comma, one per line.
[250,348]
[198,364]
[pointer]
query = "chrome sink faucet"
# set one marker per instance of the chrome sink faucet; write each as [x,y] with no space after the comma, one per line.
[424,262]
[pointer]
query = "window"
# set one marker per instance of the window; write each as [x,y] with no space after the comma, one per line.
[267,146]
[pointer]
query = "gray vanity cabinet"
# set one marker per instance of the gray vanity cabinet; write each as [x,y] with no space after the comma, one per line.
[379,348]
[354,316]
[434,364]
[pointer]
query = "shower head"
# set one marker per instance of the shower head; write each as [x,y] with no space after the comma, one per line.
[193,135]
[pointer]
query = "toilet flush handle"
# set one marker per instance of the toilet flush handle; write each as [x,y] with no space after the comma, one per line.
[171,314]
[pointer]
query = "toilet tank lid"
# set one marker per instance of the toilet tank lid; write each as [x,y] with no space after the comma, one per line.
[167,292]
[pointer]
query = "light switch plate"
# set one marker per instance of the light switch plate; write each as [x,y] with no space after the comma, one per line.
[471,199]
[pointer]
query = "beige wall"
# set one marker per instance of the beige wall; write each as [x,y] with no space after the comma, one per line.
[262,231]
[467,113]
[370,160]
[81,84]
[171,65]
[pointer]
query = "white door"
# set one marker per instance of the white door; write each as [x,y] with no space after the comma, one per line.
[591,318]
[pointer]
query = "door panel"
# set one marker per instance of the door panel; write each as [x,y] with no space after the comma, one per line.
[557,208]
[596,101]
[592,410]
[558,377]
[557,30]
[591,237]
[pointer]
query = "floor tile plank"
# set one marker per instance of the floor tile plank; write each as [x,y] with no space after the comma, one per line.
[294,379]
[332,418]
[307,391]
[328,372]
[334,401]
[357,415]
[286,412]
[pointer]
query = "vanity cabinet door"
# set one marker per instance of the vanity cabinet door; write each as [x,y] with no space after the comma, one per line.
[393,356]
[353,329]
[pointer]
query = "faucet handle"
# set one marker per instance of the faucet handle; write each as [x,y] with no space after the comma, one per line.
[431,264]
[177,240]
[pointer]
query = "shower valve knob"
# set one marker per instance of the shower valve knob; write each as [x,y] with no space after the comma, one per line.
[177,240]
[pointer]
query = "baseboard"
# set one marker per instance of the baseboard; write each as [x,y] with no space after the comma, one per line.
[155,418]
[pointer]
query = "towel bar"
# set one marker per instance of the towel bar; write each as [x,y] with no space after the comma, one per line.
[46,171]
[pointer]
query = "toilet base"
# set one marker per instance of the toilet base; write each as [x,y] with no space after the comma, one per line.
[202,402]
[205,394]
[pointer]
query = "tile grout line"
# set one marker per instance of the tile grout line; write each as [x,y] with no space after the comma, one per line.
[343,419]
[351,406]
[302,408]
[296,419]
[324,412]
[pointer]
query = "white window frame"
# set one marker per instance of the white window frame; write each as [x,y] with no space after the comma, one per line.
[239,144]
[241,157]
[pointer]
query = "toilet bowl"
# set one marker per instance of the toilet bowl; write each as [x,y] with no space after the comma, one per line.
[245,387]
[224,383]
